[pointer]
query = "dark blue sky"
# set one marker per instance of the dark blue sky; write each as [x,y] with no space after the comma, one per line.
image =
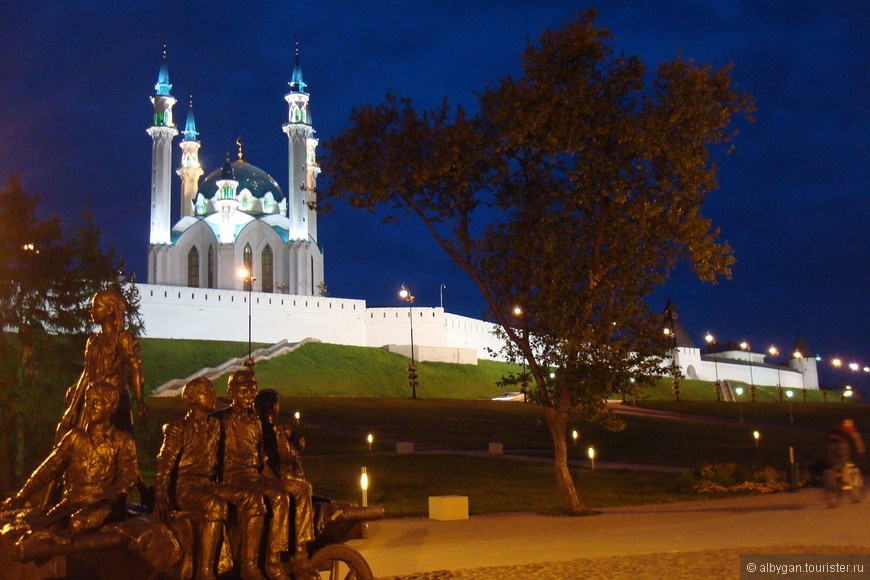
[75,82]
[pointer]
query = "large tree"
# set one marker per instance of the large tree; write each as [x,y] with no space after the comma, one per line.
[46,281]
[572,192]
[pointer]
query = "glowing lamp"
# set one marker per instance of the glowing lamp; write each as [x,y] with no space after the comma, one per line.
[364,486]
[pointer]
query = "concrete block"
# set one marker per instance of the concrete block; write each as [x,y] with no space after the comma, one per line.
[496,448]
[448,507]
[405,447]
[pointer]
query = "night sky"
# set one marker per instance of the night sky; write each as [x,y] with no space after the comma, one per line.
[75,82]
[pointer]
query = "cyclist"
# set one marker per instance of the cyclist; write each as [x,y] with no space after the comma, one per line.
[841,438]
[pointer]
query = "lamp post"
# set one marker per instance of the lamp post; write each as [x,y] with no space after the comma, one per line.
[790,394]
[441,292]
[248,278]
[518,312]
[711,340]
[745,346]
[739,391]
[405,294]
[364,487]
[674,368]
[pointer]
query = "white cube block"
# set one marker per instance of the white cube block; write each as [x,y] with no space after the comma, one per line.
[448,507]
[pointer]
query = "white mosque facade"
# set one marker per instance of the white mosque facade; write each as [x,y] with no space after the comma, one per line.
[238,217]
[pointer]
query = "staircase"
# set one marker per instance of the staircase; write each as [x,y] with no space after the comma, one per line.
[173,388]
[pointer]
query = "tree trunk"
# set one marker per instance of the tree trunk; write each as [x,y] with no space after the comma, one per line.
[557,421]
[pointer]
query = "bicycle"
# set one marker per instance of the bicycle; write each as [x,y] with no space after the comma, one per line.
[846,482]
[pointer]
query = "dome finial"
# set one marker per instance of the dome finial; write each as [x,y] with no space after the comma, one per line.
[239,143]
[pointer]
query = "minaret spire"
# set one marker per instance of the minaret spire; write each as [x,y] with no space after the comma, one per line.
[162,132]
[306,263]
[296,82]
[190,170]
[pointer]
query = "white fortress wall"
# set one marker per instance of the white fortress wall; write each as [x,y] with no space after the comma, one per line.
[211,314]
[432,328]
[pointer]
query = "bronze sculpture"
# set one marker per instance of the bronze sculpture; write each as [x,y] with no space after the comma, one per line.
[242,463]
[93,465]
[283,462]
[97,464]
[187,462]
[111,356]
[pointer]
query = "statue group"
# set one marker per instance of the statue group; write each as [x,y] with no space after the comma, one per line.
[229,494]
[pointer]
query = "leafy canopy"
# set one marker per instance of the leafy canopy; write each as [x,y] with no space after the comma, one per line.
[572,192]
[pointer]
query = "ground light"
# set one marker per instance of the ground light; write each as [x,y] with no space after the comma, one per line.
[756,435]
[298,416]
[575,435]
[370,439]
[591,453]
[364,486]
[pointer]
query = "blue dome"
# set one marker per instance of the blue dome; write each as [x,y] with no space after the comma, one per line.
[252,178]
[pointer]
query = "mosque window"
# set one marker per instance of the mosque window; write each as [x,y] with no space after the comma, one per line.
[193,268]
[210,267]
[267,273]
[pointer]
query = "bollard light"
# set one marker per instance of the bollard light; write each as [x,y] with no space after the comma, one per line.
[298,416]
[364,486]
[756,435]
[591,453]
[370,439]
[575,435]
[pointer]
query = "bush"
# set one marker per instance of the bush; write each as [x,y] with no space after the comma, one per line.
[733,478]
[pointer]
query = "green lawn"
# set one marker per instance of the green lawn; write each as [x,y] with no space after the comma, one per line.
[344,393]
[335,430]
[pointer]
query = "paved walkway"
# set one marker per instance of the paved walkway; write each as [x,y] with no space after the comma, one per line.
[718,530]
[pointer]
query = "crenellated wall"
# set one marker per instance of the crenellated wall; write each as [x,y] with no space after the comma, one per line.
[210,314]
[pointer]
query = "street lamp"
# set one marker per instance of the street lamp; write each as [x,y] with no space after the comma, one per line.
[745,346]
[671,333]
[524,387]
[591,453]
[405,294]
[790,394]
[711,340]
[441,292]
[739,391]
[248,278]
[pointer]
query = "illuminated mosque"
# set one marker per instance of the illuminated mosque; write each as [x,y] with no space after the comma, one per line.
[238,218]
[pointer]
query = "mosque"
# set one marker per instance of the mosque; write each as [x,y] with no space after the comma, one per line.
[244,263]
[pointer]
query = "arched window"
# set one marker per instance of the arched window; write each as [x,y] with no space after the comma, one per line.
[248,262]
[193,268]
[211,267]
[266,271]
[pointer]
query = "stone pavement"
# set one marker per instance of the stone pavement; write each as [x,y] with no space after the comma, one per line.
[707,534]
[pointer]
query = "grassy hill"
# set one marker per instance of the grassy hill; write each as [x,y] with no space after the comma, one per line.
[330,370]
[319,369]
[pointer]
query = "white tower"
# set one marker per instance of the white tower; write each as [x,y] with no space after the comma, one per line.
[227,203]
[190,170]
[299,131]
[162,131]
[306,258]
